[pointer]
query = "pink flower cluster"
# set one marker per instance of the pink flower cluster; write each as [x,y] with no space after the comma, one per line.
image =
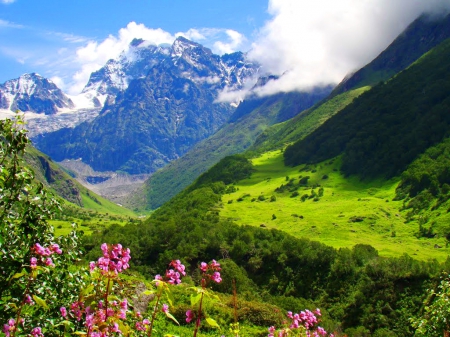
[303,320]
[173,276]
[114,260]
[44,253]
[95,318]
[11,326]
[211,270]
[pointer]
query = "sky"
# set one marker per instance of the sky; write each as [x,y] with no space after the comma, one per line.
[309,43]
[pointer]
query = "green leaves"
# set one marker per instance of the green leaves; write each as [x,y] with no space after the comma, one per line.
[39,301]
[212,323]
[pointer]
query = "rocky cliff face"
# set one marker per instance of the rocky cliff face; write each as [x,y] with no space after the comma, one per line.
[32,92]
[154,112]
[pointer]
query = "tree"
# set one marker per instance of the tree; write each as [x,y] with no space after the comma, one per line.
[28,249]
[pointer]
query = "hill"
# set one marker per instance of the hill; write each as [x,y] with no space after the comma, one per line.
[423,34]
[73,194]
[249,120]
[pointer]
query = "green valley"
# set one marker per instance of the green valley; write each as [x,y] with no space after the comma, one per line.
[327,207]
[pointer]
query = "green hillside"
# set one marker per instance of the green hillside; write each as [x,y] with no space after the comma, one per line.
[298,127]
[319,203]
[250,119]
[387,127]
[421,36]
[72,193]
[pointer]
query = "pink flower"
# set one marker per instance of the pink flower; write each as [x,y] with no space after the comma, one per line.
[165,308]
[203,266]
[189,316]
[92,266]
[114,327]
[41,250]
[173,277]
[215,265]
[271,331]
[33,262]
[37,332]
[28,300]
[8,328]
[49,262]
[216,277]
[63,311]
[178,266]
[55,248]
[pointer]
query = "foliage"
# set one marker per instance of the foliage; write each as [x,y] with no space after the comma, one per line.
[387,127]
[30,287]
[435,318]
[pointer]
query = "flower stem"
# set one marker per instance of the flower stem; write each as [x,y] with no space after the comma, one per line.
[155,310]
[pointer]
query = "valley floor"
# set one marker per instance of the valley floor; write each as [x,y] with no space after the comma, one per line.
[348,213]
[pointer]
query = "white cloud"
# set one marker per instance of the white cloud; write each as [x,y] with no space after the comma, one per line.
[319,42]
[94,54]
[8,24]
[235,41]
[7,1]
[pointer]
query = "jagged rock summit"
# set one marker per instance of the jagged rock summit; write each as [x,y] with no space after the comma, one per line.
[191,59]
[34,93]
[159,101]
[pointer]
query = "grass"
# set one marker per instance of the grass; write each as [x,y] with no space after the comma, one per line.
[349,212]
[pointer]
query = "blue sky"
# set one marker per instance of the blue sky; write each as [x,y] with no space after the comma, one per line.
[313,42]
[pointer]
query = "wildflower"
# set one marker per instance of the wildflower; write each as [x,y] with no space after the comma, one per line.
[33,262]
[92,266]
[216,277]
[28,300]
[189,316]
[49,262]
[271,331]
[165,308]
[173,276]
[203,266]
[55,249]
[7,328]
[63,311]
[178,266]
[37,332]
[41,250]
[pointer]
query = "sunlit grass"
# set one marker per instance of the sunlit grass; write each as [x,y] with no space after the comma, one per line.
[348,213]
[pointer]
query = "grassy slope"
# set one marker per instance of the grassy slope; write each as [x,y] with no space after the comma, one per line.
[96,212]
[303,124]
[328,220]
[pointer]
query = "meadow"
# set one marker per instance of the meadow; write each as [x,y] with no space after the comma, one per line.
[349,212]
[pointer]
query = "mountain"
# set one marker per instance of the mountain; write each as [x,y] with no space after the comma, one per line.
[250,119]
[158,117]
[420,36]
[32,92]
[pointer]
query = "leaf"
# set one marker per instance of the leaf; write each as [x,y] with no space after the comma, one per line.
[148,292]
[169,315]
[212,323]
[169,298]
[195,299]
[87,290]
[40,302]
[17,275]
[81,333]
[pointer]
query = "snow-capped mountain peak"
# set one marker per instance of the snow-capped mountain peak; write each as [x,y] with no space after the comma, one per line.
[34,93]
